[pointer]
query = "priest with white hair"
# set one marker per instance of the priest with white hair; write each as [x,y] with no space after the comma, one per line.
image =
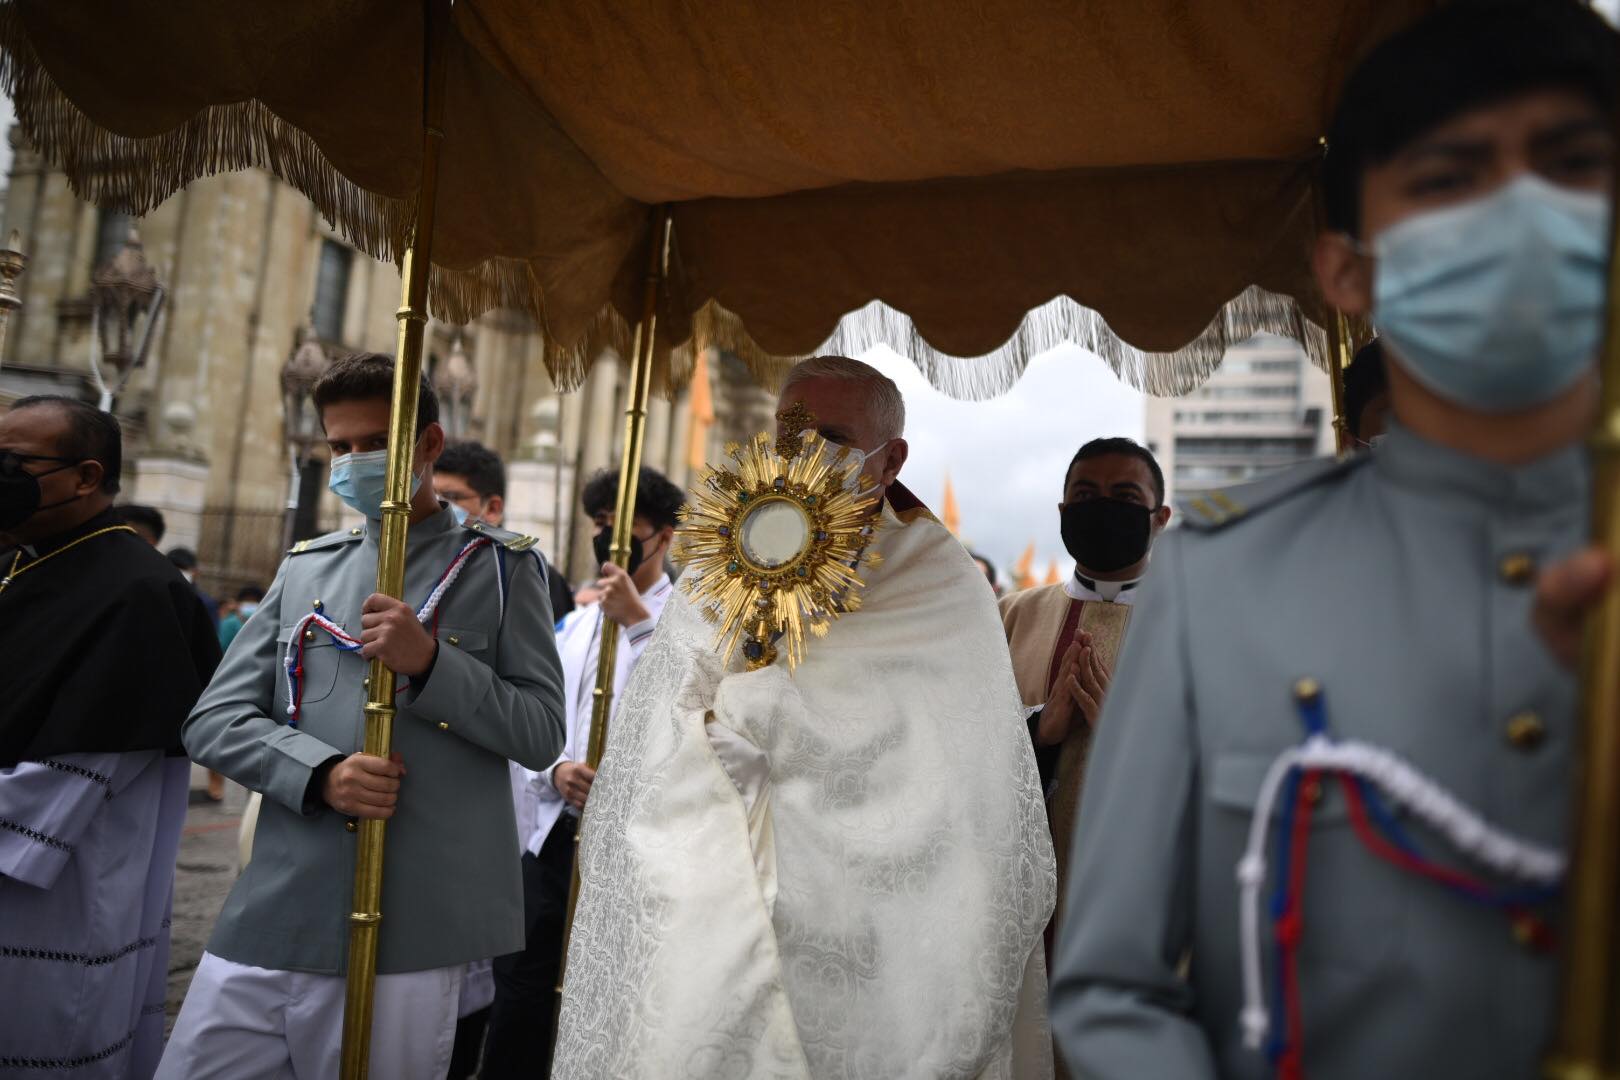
[840,869]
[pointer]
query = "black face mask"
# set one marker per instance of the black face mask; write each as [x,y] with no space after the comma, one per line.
[1106,534]
[602,543]
[20,494]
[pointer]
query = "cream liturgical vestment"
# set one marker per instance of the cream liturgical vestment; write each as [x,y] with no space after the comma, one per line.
[840,871]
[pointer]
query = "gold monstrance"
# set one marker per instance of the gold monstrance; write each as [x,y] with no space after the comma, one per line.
[772,542]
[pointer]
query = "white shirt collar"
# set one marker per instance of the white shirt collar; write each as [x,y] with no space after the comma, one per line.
[1108,592]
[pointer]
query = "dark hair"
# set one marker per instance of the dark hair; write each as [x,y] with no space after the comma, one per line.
[989,567]
[250,592]
[1465,55]
[478,464]
[183,558]
[1120,445]
[149,518]
[1364,380]
[367,377]
[657,500]
[92,435]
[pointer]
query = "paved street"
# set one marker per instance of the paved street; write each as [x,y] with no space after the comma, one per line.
[203,875]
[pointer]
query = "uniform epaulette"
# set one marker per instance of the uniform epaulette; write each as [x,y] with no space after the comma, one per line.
[508,539]
[331,539]
[1215,510]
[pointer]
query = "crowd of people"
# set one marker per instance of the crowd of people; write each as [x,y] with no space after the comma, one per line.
[1277,782]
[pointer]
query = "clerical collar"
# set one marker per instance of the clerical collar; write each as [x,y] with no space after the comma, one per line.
[1080,587]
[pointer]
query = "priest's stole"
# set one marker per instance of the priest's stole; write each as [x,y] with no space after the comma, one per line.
[1106,624]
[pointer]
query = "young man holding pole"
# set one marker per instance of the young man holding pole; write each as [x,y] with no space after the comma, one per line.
[479,684]
[1357,833]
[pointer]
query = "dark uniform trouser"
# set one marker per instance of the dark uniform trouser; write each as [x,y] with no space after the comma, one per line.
[469,1044]
[523,1020]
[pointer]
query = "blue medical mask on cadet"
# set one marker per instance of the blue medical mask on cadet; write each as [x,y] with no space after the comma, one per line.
[361,480]
[1496,304]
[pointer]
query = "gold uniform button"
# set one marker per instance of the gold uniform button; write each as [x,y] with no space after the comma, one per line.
[1517,569]
[318,606]
[352,825]
[443,726]
[354,531]
[454,640]
[1526,730]
[309,635]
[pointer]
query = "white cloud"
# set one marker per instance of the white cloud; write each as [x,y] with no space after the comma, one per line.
[1006,456]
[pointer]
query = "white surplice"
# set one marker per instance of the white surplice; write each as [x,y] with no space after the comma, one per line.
[840,872]
[87,851]
[579,640]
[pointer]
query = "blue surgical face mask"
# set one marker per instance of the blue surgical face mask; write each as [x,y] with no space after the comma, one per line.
[457,512]
[1497,304]
[360,480]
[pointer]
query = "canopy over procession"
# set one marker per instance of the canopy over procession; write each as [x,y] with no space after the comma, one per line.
[1309,775]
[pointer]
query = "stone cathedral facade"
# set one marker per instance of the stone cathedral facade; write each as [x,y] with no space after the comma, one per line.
[249,274]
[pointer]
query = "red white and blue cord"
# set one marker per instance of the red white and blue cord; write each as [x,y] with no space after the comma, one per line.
[347,642]
[1364,771]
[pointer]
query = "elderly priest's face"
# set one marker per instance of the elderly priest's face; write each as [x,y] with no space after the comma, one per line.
[843,412]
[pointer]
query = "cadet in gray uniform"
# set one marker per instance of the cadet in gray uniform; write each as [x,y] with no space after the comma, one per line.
[480,683]
[1467,182]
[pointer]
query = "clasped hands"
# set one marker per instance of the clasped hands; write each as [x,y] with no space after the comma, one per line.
[1082,682]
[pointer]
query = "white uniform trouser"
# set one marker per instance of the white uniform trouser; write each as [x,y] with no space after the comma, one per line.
[249,1023]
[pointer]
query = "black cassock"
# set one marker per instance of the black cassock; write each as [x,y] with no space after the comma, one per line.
[103,648]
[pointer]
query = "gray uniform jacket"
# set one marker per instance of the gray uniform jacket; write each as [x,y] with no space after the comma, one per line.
[1401,581]
[451,887]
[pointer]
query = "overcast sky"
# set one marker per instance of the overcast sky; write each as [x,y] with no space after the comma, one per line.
[1006,456]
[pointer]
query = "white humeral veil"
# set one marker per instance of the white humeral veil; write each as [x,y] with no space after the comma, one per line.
[870,901]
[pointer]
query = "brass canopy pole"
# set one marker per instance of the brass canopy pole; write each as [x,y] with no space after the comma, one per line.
[1588,1040]
[1339,358]
[366,917]
[624,512]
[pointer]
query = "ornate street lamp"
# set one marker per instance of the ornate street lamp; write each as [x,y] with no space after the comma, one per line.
[12,264]
[126,301]
[301,422]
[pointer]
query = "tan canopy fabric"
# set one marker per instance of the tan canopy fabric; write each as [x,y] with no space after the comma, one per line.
[1134,177]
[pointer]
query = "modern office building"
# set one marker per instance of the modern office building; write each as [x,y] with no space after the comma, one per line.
[1266,407]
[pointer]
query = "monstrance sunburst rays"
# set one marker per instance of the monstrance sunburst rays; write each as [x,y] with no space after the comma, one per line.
[773,542]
